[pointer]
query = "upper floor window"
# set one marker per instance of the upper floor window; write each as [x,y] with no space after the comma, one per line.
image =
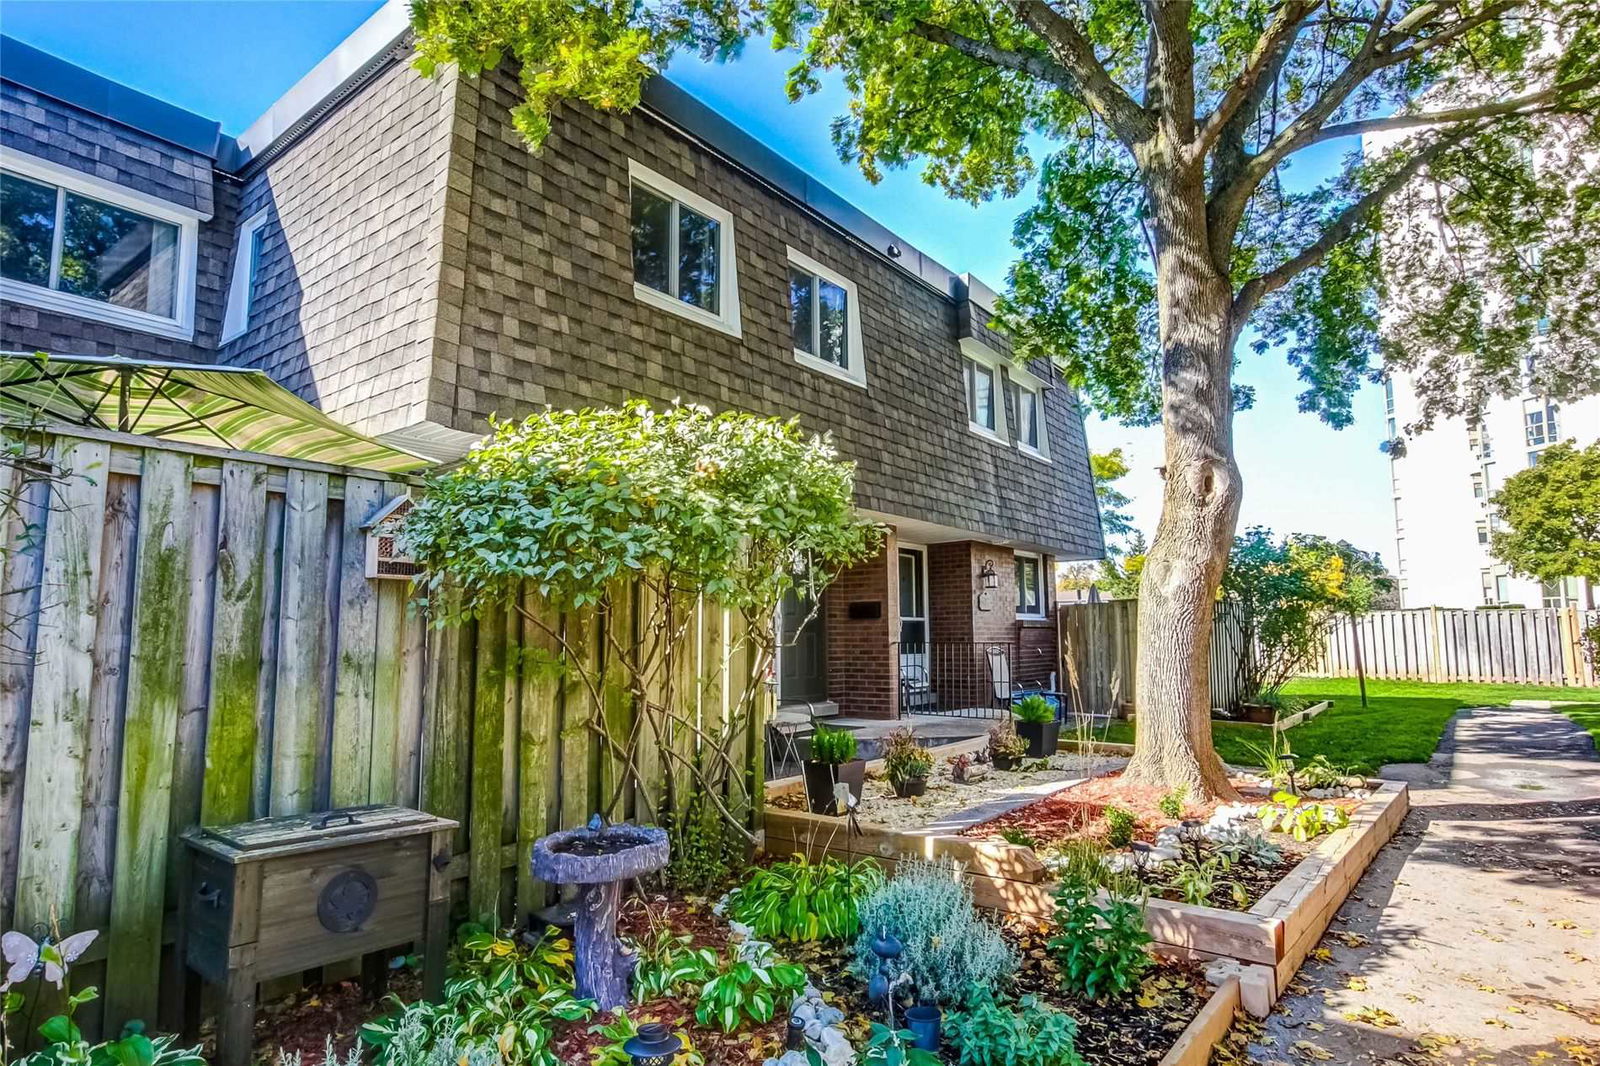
[74,243]
[683,256]
[825,319]
[986,412]
[1540,423]
[1030,585]
[1031,436]
[246,271]
[1388,397]
[1478,485]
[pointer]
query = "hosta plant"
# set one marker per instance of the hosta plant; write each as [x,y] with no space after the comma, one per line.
[802,900]
[893,1047]
[747,985]
[668,964]
[1303,821]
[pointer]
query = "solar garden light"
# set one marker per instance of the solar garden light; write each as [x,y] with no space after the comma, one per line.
[1141,857]
[1192,832]
[653,1045]
[1288,768]
[794,1038]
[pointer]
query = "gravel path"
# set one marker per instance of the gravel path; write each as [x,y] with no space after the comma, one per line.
[1474,937]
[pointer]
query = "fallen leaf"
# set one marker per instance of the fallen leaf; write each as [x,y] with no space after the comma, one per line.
[1307,1050]
[1373,1016]
[1356,984]
[1500,1022]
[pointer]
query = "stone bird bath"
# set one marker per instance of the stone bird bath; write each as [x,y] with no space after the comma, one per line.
[599,857]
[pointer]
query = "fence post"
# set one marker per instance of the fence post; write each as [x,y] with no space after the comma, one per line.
[1435,666]
[1571,653]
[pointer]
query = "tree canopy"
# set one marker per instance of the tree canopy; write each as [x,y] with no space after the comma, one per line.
[1551,514]
[1487,107]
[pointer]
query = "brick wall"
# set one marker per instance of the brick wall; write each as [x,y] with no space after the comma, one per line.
[863,676]
[62,134]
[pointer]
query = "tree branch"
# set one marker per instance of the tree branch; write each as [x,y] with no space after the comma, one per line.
[1035,66]
[1094,84]
[1245,93]
[1252,291]
[1169,76]
[1529,104]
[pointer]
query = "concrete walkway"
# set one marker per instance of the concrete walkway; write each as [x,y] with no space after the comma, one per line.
[1475,935]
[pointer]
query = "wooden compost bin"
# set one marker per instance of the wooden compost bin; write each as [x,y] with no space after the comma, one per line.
[1267,943]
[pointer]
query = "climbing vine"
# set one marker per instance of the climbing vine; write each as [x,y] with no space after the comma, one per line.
[655,514]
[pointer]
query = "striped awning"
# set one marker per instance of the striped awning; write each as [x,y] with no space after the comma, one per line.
[220,406]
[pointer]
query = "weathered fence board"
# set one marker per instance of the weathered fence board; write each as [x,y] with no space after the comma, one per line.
[190,637]
[53,778]
[1538,646]
[1100,655]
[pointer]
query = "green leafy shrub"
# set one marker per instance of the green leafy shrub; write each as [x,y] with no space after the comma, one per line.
[802,900]
[1100,942]
[330,1056]
[833,746]
[1020,837]
[949,946]
[1120,825]
[903,758]
[1303,821]
[1032,1033]
[1033,708]
[1172,803]
[747,984]
[1253,848]
[411,1042]
[1318,772]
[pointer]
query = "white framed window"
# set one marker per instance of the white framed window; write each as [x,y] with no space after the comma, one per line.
[1478,486]
[1033,438]
[986,409]
[825,320]
[246,270]
[78,244]
[1030,585]
[1539,421]
[683,251]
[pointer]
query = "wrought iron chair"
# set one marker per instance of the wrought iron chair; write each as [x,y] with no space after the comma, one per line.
[1008,691]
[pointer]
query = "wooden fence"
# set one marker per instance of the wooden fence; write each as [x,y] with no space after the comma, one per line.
[1099,652]
[188,636]
[1538,647]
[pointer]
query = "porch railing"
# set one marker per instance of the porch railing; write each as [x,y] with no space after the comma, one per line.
[959,678]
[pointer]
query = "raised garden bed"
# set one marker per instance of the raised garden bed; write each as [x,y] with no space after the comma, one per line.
[1263,945]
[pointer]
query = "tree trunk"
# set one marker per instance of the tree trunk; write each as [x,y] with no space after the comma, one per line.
[1200,504]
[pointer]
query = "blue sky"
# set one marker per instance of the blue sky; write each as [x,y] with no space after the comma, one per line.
[230,60]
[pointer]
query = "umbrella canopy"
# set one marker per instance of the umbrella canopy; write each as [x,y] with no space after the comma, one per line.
[220,406]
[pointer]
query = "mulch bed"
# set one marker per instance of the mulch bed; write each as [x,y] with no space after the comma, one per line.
[303,1022]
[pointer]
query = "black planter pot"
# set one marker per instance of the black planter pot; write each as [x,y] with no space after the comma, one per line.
[821,777]
[1042,737]
[923,1021]
[1007,762]
[911,786]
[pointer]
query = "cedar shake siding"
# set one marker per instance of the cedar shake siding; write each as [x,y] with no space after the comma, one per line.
[47,129]
[549,316]
[346,297]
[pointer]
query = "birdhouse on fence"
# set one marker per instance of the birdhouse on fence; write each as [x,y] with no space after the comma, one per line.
[385,559]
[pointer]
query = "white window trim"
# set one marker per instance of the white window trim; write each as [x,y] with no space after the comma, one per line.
[1028,381]
[178,327]
[236,320]
[1044,598]
[728,283]
[856,372]
[978,352]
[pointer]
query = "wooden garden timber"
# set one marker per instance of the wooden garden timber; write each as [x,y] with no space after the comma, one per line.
[266,674]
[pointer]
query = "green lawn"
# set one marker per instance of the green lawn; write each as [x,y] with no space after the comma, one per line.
[1402,722]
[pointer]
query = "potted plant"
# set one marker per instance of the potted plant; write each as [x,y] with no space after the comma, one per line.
[907,763]
[832,761]
[1006,748]
[1037,724]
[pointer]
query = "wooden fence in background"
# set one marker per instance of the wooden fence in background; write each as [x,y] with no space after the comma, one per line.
[1538,646]
[187,636]
[1100,643]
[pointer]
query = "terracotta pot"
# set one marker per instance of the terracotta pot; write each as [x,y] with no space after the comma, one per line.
[1042,738]
[821,777]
